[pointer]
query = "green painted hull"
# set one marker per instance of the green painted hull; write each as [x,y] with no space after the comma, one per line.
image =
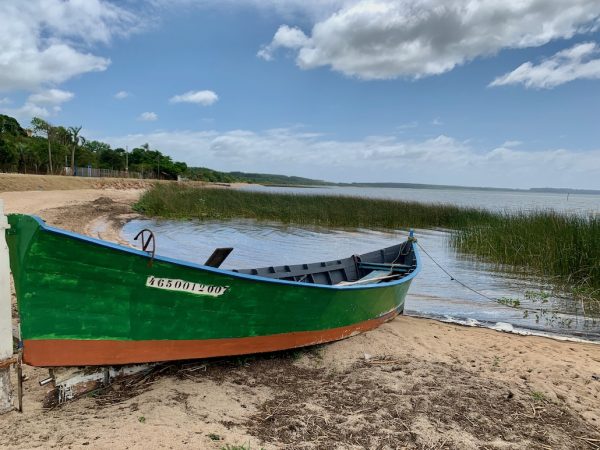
[70,287]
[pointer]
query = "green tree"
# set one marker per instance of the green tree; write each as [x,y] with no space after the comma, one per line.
[8,154]
[10,126]
[76,140]
[62,136]
[105,156]
[50,145]
[41,126]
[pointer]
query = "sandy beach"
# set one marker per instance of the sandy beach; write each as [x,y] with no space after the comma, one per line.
[412,383]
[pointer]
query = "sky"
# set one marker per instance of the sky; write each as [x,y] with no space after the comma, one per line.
[469,92]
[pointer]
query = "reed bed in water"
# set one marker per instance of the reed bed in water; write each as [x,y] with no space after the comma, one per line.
[176,201]
[566,248]
[550,243]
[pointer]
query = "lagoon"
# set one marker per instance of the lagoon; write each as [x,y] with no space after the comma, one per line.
[494,200]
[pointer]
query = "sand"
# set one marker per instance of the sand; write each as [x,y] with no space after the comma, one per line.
[12,182]
[412,383]
[19,182]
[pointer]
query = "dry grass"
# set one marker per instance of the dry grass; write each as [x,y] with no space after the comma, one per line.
[377,403]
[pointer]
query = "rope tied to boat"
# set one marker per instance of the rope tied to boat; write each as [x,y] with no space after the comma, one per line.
[412,240]
[526,310]
[453,278]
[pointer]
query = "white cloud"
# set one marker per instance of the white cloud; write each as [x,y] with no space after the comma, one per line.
[581,61]
[379,39]
[5,101]
[45,42]
[441,160]
[437,122]
[285,37]
[51,97]
[148,117]
[121,95]
[43,104]
[204,98]
[26,112]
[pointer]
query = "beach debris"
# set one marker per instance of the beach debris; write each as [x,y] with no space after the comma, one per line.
[377,360]
[596,377]
[75,384]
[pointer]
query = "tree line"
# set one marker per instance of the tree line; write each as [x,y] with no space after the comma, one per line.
[48,149]
[44,148]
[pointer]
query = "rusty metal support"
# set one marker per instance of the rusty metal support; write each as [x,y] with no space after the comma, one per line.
[19,370]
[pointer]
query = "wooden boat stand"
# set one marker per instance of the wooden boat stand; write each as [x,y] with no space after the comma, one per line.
[74,383]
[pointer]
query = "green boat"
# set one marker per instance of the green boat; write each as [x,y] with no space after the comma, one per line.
[84,301]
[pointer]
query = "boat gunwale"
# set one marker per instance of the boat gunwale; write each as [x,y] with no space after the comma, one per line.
[225,272]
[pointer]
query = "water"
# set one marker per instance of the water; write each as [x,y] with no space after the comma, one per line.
[492,200]
[432,294]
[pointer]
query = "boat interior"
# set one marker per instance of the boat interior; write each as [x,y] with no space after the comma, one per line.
[380,266]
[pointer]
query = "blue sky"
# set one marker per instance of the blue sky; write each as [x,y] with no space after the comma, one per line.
[488,93]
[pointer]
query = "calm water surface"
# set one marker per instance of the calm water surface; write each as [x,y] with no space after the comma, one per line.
[432,294]
[494,200]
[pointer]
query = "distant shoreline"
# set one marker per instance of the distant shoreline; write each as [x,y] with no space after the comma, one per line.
[443,187]
[17,181]
[275,180]
[428,186]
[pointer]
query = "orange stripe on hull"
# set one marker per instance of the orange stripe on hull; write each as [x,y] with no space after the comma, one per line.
[72,352]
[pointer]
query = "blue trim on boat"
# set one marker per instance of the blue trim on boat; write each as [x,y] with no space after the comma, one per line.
[179,262]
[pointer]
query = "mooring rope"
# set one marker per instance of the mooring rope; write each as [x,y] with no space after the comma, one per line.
[517,306]
[453,278]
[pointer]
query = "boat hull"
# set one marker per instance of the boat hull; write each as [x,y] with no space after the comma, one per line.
[87,302]
[61,352]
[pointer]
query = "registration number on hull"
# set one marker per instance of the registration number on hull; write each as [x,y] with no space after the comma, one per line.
[171,284]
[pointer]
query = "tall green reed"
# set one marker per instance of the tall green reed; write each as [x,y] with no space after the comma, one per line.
[549,243]
[176,201]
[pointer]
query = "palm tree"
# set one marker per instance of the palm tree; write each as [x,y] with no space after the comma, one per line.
[76,140]
[40,125]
